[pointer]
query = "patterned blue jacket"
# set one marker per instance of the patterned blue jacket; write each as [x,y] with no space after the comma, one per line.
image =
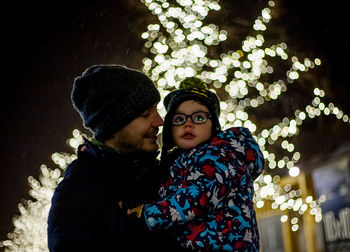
[207,200]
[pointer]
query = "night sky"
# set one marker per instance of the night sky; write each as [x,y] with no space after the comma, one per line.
[48,43]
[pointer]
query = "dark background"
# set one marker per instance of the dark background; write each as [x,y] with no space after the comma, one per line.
[48,43]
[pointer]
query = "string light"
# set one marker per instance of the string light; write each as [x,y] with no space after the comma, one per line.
[178,47]
[188,39]
[30,227]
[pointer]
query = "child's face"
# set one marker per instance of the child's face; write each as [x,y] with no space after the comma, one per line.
[189,134]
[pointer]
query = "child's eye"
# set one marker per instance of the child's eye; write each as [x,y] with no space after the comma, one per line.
[179,119]
[199,118]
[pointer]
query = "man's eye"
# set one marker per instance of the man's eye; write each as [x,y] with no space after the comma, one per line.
[145,114]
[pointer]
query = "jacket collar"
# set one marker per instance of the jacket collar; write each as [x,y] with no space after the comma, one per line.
[107,154]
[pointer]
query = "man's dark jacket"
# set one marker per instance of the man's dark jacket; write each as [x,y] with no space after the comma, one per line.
[85,215]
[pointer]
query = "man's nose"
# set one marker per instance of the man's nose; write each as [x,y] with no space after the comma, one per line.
[158,121]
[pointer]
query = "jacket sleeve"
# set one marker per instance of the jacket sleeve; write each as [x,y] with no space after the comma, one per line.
[252,154]
[198,194]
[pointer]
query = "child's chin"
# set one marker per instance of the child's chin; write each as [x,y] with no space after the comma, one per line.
[187,146]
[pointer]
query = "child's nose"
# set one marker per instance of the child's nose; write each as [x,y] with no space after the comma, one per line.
[188,122]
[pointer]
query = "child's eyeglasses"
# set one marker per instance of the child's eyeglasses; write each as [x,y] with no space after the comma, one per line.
[199,117]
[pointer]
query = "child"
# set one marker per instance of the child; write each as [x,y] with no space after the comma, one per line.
[207,200]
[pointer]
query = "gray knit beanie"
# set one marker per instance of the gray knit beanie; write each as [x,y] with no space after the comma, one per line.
[108,97]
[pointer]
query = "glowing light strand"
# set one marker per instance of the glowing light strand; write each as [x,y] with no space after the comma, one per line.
[30,232]
[179,48]
[179,45]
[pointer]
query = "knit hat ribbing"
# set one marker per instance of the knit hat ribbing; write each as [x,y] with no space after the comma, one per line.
[108,97]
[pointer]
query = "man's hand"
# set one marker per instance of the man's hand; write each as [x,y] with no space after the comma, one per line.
[136,210]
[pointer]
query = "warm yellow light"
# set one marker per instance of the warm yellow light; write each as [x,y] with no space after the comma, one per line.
[284,218]
[294,171]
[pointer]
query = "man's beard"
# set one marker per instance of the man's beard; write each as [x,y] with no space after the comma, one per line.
[133,143]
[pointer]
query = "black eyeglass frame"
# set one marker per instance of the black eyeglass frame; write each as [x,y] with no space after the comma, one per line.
[206,117]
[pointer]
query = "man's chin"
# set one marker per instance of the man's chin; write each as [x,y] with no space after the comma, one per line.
[150,147]
[150,144]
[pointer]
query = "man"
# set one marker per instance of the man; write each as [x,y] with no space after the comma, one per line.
[119,105]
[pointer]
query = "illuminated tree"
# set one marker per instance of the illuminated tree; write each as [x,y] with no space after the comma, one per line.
[246,80]
[30,232]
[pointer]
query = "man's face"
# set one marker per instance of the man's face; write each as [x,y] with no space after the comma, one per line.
[140,134]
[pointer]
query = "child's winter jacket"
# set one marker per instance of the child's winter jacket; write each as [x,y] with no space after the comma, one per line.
[207,201]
